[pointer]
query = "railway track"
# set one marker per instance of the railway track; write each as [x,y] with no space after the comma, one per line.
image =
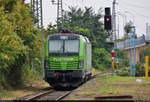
[49,95]
[52,94]
[100,75]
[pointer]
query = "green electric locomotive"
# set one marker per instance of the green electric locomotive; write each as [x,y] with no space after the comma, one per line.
[67,59]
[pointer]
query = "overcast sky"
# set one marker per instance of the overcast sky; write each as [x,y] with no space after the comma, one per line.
[139,10]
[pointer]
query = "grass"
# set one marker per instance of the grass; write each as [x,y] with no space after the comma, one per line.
[124,86]
[33,87]
[6,94]
[115,85]
[95,71]
[12,94]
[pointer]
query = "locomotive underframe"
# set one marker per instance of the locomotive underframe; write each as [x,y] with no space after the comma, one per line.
[68,78]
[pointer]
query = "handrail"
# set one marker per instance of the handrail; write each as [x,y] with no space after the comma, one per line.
[126,44]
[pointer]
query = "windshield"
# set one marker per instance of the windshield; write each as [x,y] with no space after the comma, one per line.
[56,46]
[63,46]
[71,46]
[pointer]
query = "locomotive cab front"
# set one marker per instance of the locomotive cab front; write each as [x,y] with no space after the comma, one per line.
[64,60]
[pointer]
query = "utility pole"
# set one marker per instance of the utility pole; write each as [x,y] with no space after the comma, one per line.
[118,27]
[59,14]
[147,38]
[38,20]
[114,30]
[124,22]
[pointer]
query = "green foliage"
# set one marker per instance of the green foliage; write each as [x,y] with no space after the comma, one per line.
[83,31]
[123,60]
[102,58]
[139,69]
[123,39]
[140,66]
[19,42]
[123,71]
[8,4]
[127,27]
[86,22]
[145,52]
[122,68]
[51,29]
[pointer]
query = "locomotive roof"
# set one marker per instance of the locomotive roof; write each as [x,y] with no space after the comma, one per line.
[64,34]
[69,36]
[54,36]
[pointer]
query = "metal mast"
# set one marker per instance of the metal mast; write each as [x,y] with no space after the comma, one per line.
[37,11]
[132,51]
[114,30]
[60,21]
[38,20]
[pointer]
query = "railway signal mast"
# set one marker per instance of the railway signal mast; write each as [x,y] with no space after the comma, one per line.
[110,26]
[114,30]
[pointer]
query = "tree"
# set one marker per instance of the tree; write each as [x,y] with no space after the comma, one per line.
[127,27]
[145,52]
[19,42]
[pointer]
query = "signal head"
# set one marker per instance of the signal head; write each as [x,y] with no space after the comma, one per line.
[107,22]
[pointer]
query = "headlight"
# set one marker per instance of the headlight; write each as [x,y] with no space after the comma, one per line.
[81,64]
[46,64]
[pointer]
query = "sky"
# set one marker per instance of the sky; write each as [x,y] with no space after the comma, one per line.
[133,10]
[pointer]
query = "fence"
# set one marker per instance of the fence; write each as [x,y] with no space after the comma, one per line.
[126,44]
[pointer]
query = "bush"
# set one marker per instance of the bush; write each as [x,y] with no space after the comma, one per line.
[139,69]
[101,59]
[123,68]
[145,52]
[123,71]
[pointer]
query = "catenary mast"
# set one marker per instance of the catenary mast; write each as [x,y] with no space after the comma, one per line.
[38,20]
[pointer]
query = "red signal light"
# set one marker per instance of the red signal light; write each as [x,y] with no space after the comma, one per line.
[112,54]
[107,22]
[107,19]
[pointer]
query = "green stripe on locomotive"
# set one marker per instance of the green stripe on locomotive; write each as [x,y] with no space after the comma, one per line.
[69,62]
